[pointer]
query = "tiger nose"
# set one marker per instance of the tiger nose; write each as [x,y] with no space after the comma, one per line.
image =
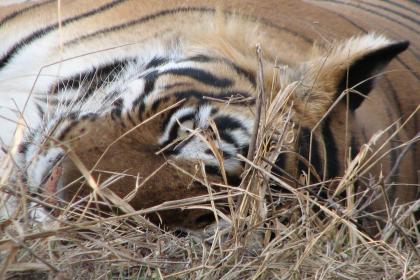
[50,187]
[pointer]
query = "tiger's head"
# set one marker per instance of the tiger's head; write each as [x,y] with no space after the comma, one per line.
[158,130]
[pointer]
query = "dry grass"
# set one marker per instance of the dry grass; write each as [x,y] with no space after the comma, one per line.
[274,230]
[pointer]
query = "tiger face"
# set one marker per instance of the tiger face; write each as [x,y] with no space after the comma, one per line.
[163,112]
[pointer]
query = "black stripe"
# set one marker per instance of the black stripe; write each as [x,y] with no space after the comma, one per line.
[159,101]
[227,137]
[244,151]
[355,147]
[72,115]
[333,165]
[89,116]
[227,154]
[410,70]
[199,96]
[393,96]
[155,62]
[304,149]
[22,11]
[44,31]
[63,133]
[214,110]
[199,58]
[116,113]
[401,6]
[142,108]
[373,12]
[250,76]
[213,170]
[176,84]
[117,108]
[23,147]
[88,82]
[173,132]
[405,16]
[141,20]
[232,180]
[130,119]
[284,29]
[40,110]
[281,161]
[315,159]
[202,76]
[112,96]
[149,86]
[225,122]
[393,154]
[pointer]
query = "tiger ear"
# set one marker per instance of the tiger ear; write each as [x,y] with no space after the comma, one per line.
[352,65]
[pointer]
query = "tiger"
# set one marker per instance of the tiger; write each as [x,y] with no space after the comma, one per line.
[155,92]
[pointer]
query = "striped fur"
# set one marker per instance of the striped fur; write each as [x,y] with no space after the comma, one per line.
[114,68]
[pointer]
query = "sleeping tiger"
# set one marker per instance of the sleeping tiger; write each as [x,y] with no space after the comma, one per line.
[154,91]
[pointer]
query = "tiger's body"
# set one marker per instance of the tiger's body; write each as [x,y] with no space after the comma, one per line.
[158,72]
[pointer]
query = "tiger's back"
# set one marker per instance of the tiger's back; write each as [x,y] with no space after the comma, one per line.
[94,37]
